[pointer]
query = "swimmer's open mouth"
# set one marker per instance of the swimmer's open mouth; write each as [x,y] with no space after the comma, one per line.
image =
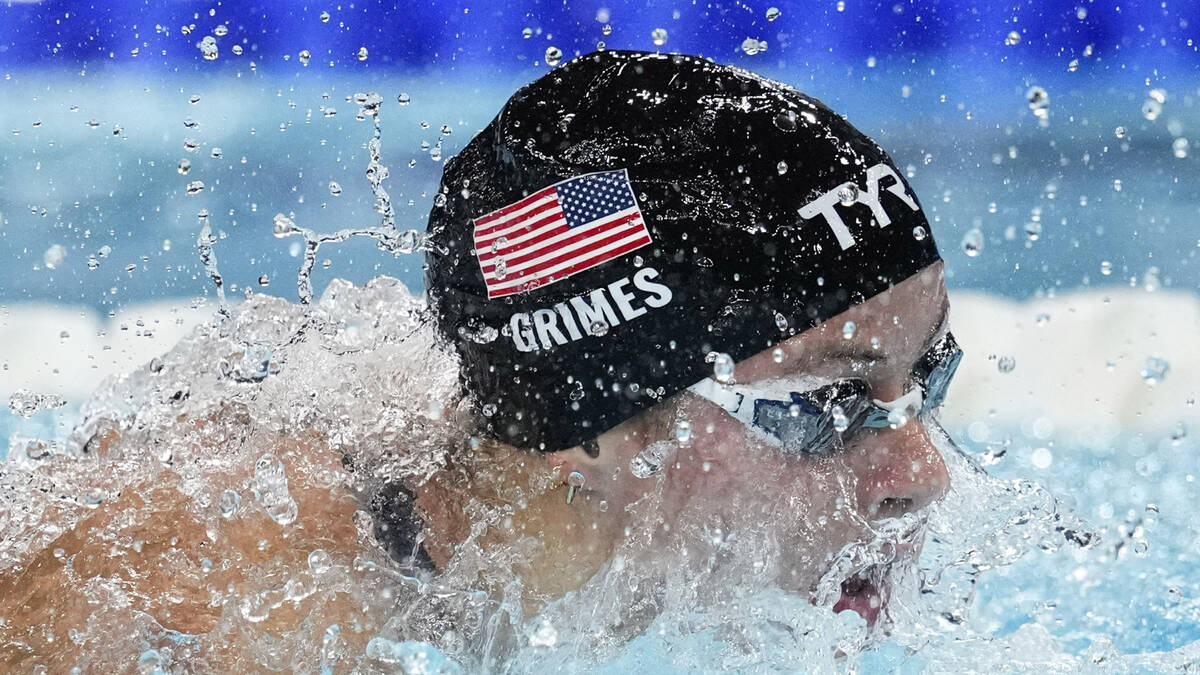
[865,593]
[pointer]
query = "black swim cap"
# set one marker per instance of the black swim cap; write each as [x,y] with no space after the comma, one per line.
[628,213]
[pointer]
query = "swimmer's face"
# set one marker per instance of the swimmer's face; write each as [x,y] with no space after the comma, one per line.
[730,480]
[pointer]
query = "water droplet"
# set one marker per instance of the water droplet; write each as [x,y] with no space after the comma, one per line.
[237,50]
[606,29]
[362,54]
[1041,458]
[1012,38]
[848,330]
[1033,230]
[598,328]
[324,17]
[501,268]
[1155,370]
[752,46]
[1039,102]
[1151,280]
[1120,132]
[972,242]
[1151,109]
[773,13]
[841,5]
[1073,66]
[489,409]
[651,459]
[190,144]
[840,421]
[847,194]
[270,486]
[208,47]
[54,256]
[683,432]
[305,57]
[777,355]
[1179,433]
[781,167]
[335,188]
[723,368]
[553,55]
[527,32]
[264,280]
[195,187]
[1180,147]
[1005,364]
[194,99]
[1140,547]
[221,30]
[897,418]
[92,499]
[229,503]
[478,332]
[659,36]
[919,233]
[319,561]
[1041,320]
[781,322]
[403,99]
[1117,185]
[1106,267]
[217,153]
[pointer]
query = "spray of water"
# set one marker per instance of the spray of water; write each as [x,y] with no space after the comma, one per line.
[264,436]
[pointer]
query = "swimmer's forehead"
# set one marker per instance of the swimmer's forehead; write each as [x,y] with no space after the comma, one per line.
[893,328]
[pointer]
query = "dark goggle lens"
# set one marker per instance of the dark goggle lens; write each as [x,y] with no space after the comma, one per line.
[936,369]
[812,421]
[808,423]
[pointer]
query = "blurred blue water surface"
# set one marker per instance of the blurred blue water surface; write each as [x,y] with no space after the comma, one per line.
[94,134]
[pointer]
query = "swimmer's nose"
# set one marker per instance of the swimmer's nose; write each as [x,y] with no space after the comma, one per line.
[899,471]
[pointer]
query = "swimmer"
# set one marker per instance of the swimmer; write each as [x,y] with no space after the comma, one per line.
[697,318]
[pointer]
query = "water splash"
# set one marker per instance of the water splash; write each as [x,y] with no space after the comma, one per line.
[387,237]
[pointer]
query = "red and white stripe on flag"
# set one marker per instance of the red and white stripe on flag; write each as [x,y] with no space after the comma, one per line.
[560,230]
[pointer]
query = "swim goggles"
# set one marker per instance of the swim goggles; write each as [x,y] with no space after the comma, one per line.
[815,421]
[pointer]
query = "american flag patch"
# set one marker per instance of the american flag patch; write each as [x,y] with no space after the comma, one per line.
[560,230]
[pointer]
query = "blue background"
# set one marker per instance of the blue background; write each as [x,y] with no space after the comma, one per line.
[934,82]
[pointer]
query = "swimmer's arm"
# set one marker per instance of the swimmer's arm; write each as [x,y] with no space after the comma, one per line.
[151,560]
